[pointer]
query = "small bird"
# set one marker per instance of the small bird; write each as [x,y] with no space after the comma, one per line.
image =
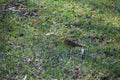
[71,43]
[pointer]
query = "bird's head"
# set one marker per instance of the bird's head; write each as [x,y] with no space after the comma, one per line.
[62,39]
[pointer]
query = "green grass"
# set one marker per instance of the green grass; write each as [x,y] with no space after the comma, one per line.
[26,50]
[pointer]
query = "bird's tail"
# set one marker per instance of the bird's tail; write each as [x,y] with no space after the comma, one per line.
[81,45]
